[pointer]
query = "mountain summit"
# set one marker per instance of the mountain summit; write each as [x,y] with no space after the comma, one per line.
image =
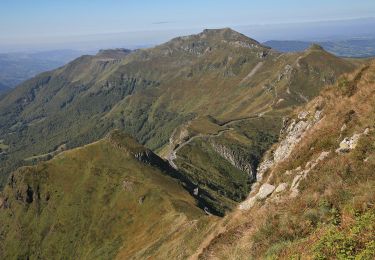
[210,39]
[225,34]
[315,47]
[163,96]
[216,125]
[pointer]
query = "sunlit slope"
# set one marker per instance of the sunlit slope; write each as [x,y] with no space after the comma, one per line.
[150,92]
[104,200]
[316,198]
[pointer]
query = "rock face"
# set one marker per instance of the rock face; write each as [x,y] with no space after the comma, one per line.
[286,73]
[294,134]
[23,192]
[179,135]
[291,134]
[267,189]
[236,160]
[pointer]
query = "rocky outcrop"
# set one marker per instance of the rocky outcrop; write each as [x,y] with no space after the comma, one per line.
[291,134]
[243,44]
[265,191]
[350,143]
[285,73]
[302,174]
[22,190]
[281,187]
[179,135]
[243,164]
[294,134]
[293,131]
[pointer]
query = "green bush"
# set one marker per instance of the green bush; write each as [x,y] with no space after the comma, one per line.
[356,242]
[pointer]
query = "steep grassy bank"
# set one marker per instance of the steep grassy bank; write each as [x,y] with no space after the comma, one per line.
[315,199]
[98,202]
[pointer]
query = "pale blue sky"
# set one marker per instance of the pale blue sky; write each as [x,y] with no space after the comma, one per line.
[30,20]
[24,18]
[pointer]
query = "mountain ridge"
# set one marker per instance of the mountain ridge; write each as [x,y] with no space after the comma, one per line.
[83,193]
[149,93]
[312,198]
[290,176]
[215,148]
[354,48]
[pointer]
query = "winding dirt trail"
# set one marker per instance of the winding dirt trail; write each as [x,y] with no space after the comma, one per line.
[173,154]
[222,226]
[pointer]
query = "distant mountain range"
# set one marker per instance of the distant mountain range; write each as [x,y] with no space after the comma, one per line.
[18,67]
[345,48]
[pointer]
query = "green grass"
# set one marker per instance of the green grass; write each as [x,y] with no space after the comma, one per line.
[356,241]
[225,183]
[98,202]
[333,215]
[151,92]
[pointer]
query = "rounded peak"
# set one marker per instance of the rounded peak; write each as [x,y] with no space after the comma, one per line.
[114,53]
[119,50]
[220,31]
[227,34]
[198,43]
[315,47]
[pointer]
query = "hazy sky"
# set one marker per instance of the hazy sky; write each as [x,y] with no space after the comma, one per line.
[42,20]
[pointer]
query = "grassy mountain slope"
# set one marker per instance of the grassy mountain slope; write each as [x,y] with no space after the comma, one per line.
[149,93]
[222,161]
[314,198]
[212,105]
[329,214]
[99,201]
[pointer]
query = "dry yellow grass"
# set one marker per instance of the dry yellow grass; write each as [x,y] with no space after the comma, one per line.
[286,230]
